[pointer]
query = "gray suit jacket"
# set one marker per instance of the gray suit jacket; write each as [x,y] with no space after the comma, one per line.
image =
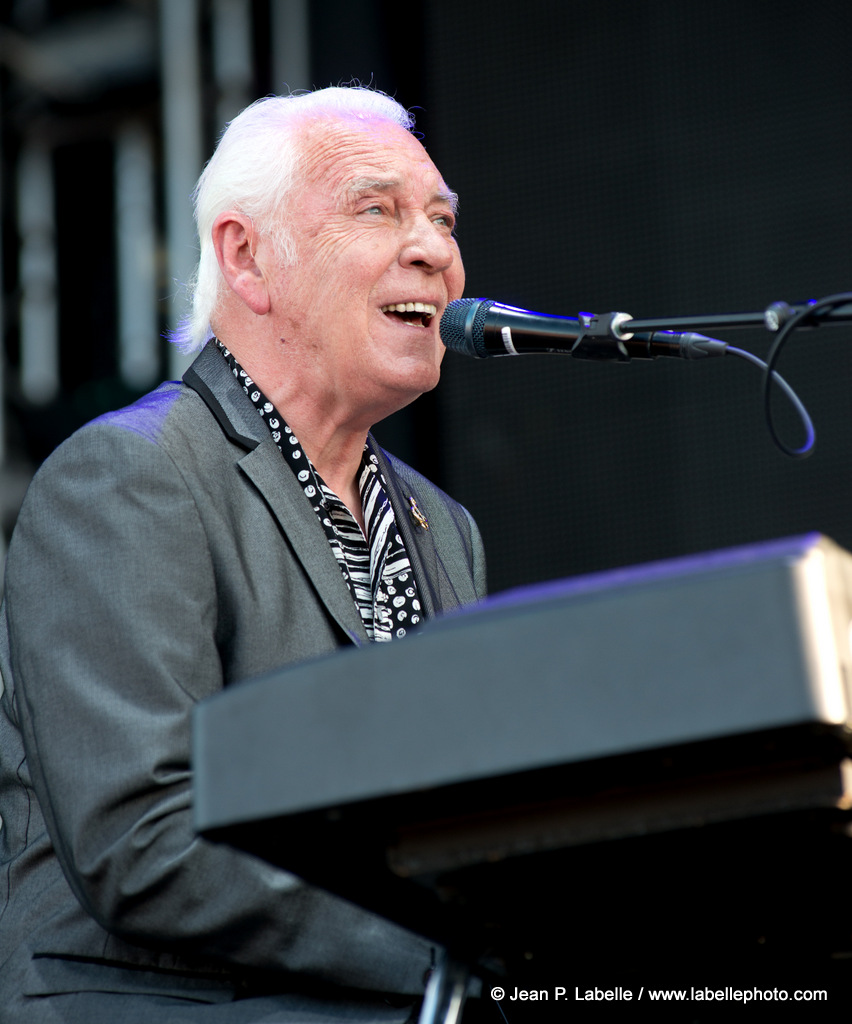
[163,552]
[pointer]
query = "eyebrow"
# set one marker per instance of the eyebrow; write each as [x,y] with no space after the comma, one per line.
[360,186]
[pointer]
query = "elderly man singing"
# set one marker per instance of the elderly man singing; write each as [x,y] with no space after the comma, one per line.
[221,527]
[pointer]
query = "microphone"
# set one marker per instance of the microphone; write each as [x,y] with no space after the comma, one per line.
[484,328]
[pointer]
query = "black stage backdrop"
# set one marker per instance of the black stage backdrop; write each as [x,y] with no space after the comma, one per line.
[661,158]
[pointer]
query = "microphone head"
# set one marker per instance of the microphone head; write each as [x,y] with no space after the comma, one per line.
[462,326]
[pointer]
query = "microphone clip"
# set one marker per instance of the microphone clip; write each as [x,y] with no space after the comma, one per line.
[600,337]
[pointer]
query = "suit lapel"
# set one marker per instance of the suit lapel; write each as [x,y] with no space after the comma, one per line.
[264,466]
[419,541]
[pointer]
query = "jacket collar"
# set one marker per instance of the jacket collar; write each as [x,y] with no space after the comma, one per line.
[210,377]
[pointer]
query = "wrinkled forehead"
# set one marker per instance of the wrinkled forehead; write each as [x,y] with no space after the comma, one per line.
[342,156]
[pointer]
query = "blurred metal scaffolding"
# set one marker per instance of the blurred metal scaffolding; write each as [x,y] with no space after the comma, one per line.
[110,108]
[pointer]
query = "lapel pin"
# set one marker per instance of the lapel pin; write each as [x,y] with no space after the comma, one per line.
[417,515]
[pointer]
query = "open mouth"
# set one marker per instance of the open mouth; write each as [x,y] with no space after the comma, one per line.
[419,314]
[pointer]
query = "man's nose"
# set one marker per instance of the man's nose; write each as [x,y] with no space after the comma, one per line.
[427,245]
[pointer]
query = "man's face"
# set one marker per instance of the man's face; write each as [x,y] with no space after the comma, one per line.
[372,225]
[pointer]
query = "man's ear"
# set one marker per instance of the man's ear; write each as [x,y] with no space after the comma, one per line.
[235,243]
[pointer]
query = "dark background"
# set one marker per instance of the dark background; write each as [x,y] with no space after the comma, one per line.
[654,156]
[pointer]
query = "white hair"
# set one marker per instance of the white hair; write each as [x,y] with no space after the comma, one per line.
[254,171]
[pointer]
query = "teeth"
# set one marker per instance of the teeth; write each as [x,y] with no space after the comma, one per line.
[411,307]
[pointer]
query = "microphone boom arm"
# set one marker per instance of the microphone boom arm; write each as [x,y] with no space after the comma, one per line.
[773,318]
